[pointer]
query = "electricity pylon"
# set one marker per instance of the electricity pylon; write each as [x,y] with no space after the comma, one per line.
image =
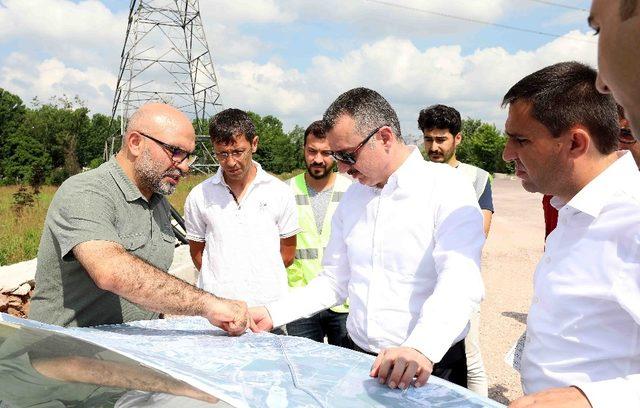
[165,58]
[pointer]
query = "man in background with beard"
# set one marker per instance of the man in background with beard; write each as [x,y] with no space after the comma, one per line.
[107,241]
[318,192]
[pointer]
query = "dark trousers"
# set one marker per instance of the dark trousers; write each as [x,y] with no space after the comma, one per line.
[452,367]
[325,323]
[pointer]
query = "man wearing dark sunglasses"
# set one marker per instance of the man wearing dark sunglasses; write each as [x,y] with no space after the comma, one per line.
[404,248]
[107,241]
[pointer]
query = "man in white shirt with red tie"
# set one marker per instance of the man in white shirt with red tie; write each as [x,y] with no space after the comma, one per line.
[582,346]
[405,249]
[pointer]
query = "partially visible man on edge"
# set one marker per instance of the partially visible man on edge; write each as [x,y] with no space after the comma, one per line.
[583,326]
[404,248]
[241,222]
[441,126]
[318,191]
[107,241]
[617,23]
[626,141]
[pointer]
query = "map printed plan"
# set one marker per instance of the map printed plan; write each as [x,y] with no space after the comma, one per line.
[260,370]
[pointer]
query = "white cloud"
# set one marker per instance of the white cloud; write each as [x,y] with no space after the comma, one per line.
[410,78]
[81,33]
[51,78]
[233,12]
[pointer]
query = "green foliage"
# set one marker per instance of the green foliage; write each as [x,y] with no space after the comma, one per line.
[12,112]
[50,142]
[95,162]
[277,152]
[21,199]
[482,146]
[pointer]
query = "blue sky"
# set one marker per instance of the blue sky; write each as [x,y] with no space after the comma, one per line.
[291,58]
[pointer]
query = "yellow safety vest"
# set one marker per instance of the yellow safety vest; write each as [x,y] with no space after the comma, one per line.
[310,243]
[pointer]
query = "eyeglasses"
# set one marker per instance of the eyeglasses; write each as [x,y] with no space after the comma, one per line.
[176,154]
[626,137]
[236,154]
[350,158]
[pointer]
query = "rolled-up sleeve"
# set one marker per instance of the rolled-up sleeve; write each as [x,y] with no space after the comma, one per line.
[81,213]
[194,221]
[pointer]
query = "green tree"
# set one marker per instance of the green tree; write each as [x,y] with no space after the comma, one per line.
[276,151]
[482,146]
[46,142]
[12,112]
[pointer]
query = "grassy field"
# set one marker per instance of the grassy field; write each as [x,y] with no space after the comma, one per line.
[20,232]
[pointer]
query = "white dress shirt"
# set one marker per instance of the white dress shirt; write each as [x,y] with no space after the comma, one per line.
[583,327]
[241,258]
[406,255]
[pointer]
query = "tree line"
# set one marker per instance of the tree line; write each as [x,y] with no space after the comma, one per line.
[49,142]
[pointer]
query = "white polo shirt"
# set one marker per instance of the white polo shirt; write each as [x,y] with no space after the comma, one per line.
[241,257]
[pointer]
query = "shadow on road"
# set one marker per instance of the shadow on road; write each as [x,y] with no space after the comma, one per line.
[520,317]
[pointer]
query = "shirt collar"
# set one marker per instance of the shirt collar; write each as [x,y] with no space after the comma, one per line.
[597,193]
[131,191]
[261,175]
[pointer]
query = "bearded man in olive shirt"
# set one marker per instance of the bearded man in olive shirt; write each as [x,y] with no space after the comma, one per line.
[107,241]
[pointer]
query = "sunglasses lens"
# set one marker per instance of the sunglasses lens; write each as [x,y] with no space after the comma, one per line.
[345,158]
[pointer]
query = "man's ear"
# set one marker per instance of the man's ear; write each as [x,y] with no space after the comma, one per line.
[254,144]
[457,139]
[386,136]
[135,143]
[580,142]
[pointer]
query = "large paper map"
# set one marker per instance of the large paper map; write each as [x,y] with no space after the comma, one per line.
[260,370]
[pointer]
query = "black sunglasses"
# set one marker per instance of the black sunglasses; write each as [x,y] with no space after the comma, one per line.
[626,137]
[177,154]
[350,158]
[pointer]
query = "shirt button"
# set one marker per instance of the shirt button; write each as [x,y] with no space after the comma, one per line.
[535,299]
[547,259]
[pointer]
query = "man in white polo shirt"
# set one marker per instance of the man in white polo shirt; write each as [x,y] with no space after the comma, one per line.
[242,222]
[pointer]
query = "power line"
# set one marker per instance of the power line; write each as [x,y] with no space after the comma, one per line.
[551,3]
[475,21]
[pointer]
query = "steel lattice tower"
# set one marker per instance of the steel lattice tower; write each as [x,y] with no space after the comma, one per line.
[165,58]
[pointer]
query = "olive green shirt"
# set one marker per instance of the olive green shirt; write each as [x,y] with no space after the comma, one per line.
[99,205]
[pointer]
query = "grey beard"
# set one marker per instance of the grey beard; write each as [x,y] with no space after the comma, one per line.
[150,175]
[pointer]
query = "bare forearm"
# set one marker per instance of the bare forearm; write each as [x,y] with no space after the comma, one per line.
[142,283]
[486,221]
[114,374]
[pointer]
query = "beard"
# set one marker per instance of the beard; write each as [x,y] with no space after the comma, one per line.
[313,171]
[151,175]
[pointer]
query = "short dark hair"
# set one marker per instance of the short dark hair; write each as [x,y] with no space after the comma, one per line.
[440,117]
[564,95]
[627,9]
[316,129]
[226,125]
[368,109]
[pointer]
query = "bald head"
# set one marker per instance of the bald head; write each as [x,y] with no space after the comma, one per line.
[157,118]
[156,134]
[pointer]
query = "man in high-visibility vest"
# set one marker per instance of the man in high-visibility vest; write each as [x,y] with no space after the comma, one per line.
[318,191]
[441,127]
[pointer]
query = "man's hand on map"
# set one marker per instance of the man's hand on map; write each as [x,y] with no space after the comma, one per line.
[566,397]
[231,316]
[398,366]
[262,319]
